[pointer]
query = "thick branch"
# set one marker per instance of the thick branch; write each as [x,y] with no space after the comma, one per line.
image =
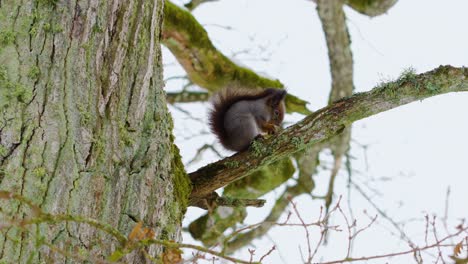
[204,64]
[326,123]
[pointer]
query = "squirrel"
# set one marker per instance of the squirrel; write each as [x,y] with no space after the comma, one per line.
[241,115]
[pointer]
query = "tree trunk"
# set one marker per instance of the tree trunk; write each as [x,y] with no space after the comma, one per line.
[84,128]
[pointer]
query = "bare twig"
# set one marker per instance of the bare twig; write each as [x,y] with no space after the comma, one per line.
[437,244]
[266,254]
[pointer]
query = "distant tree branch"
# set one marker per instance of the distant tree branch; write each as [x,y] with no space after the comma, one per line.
[195,3]
[371,8]
[214,200]
[205,66]
[340,57]
[334,26]
[326,123]
[187,97]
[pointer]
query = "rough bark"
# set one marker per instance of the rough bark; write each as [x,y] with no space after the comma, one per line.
[84,128]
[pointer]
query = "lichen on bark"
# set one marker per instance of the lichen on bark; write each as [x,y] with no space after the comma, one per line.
[84,126]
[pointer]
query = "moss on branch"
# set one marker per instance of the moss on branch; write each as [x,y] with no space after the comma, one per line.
[371,8]
[204,64]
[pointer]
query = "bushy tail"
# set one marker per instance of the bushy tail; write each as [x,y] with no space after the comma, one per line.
[223,100]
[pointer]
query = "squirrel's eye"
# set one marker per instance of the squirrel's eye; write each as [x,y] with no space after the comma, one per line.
[276,113]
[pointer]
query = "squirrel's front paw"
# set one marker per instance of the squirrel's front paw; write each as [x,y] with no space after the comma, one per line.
[270,128]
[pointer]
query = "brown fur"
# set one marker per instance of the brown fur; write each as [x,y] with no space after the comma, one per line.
[225,98]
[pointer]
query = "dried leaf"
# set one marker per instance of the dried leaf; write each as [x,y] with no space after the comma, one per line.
[172,256]
[6,195]
[147,233]
[139,233]
[458,248]
[136,231]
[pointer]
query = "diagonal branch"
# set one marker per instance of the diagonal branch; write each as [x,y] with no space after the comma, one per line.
[205,65]
[327,122]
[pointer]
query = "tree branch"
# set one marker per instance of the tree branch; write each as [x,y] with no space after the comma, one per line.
[371,8]
[195,3]
[327,122]
[187,97]
[189,42]
[214,200]
[333,20]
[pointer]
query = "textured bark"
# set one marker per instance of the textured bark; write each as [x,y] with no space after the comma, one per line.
[84,128]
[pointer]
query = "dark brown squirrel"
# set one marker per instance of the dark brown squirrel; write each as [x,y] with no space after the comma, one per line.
[240,115]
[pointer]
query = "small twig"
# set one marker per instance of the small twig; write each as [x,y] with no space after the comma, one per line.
[383,214]
[309,249]
[266,254]
[200,152]
[394,254]
[446,210]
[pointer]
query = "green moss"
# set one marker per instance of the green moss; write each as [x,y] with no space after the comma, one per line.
[182,184]
[34,72]
[33,31]
[39,172]
[96,28]
[47,2]
[297,142]
[209,228]
[7,37]
[360,5]
[3,74]
[258,148]
[125,138]
[176,18]
[57,28]
[47,27]
[11,90]
[21,93]
[261,181]
[99,146]
[3,151]
[433,88]
[52,28]
[408,74]
[85,116]
[232,164]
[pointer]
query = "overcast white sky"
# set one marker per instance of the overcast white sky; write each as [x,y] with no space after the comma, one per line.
[414,153]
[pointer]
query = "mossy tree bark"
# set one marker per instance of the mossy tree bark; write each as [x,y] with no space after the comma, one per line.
[84,127]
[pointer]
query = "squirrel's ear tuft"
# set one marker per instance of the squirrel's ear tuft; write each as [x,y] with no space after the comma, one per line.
[276,97]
